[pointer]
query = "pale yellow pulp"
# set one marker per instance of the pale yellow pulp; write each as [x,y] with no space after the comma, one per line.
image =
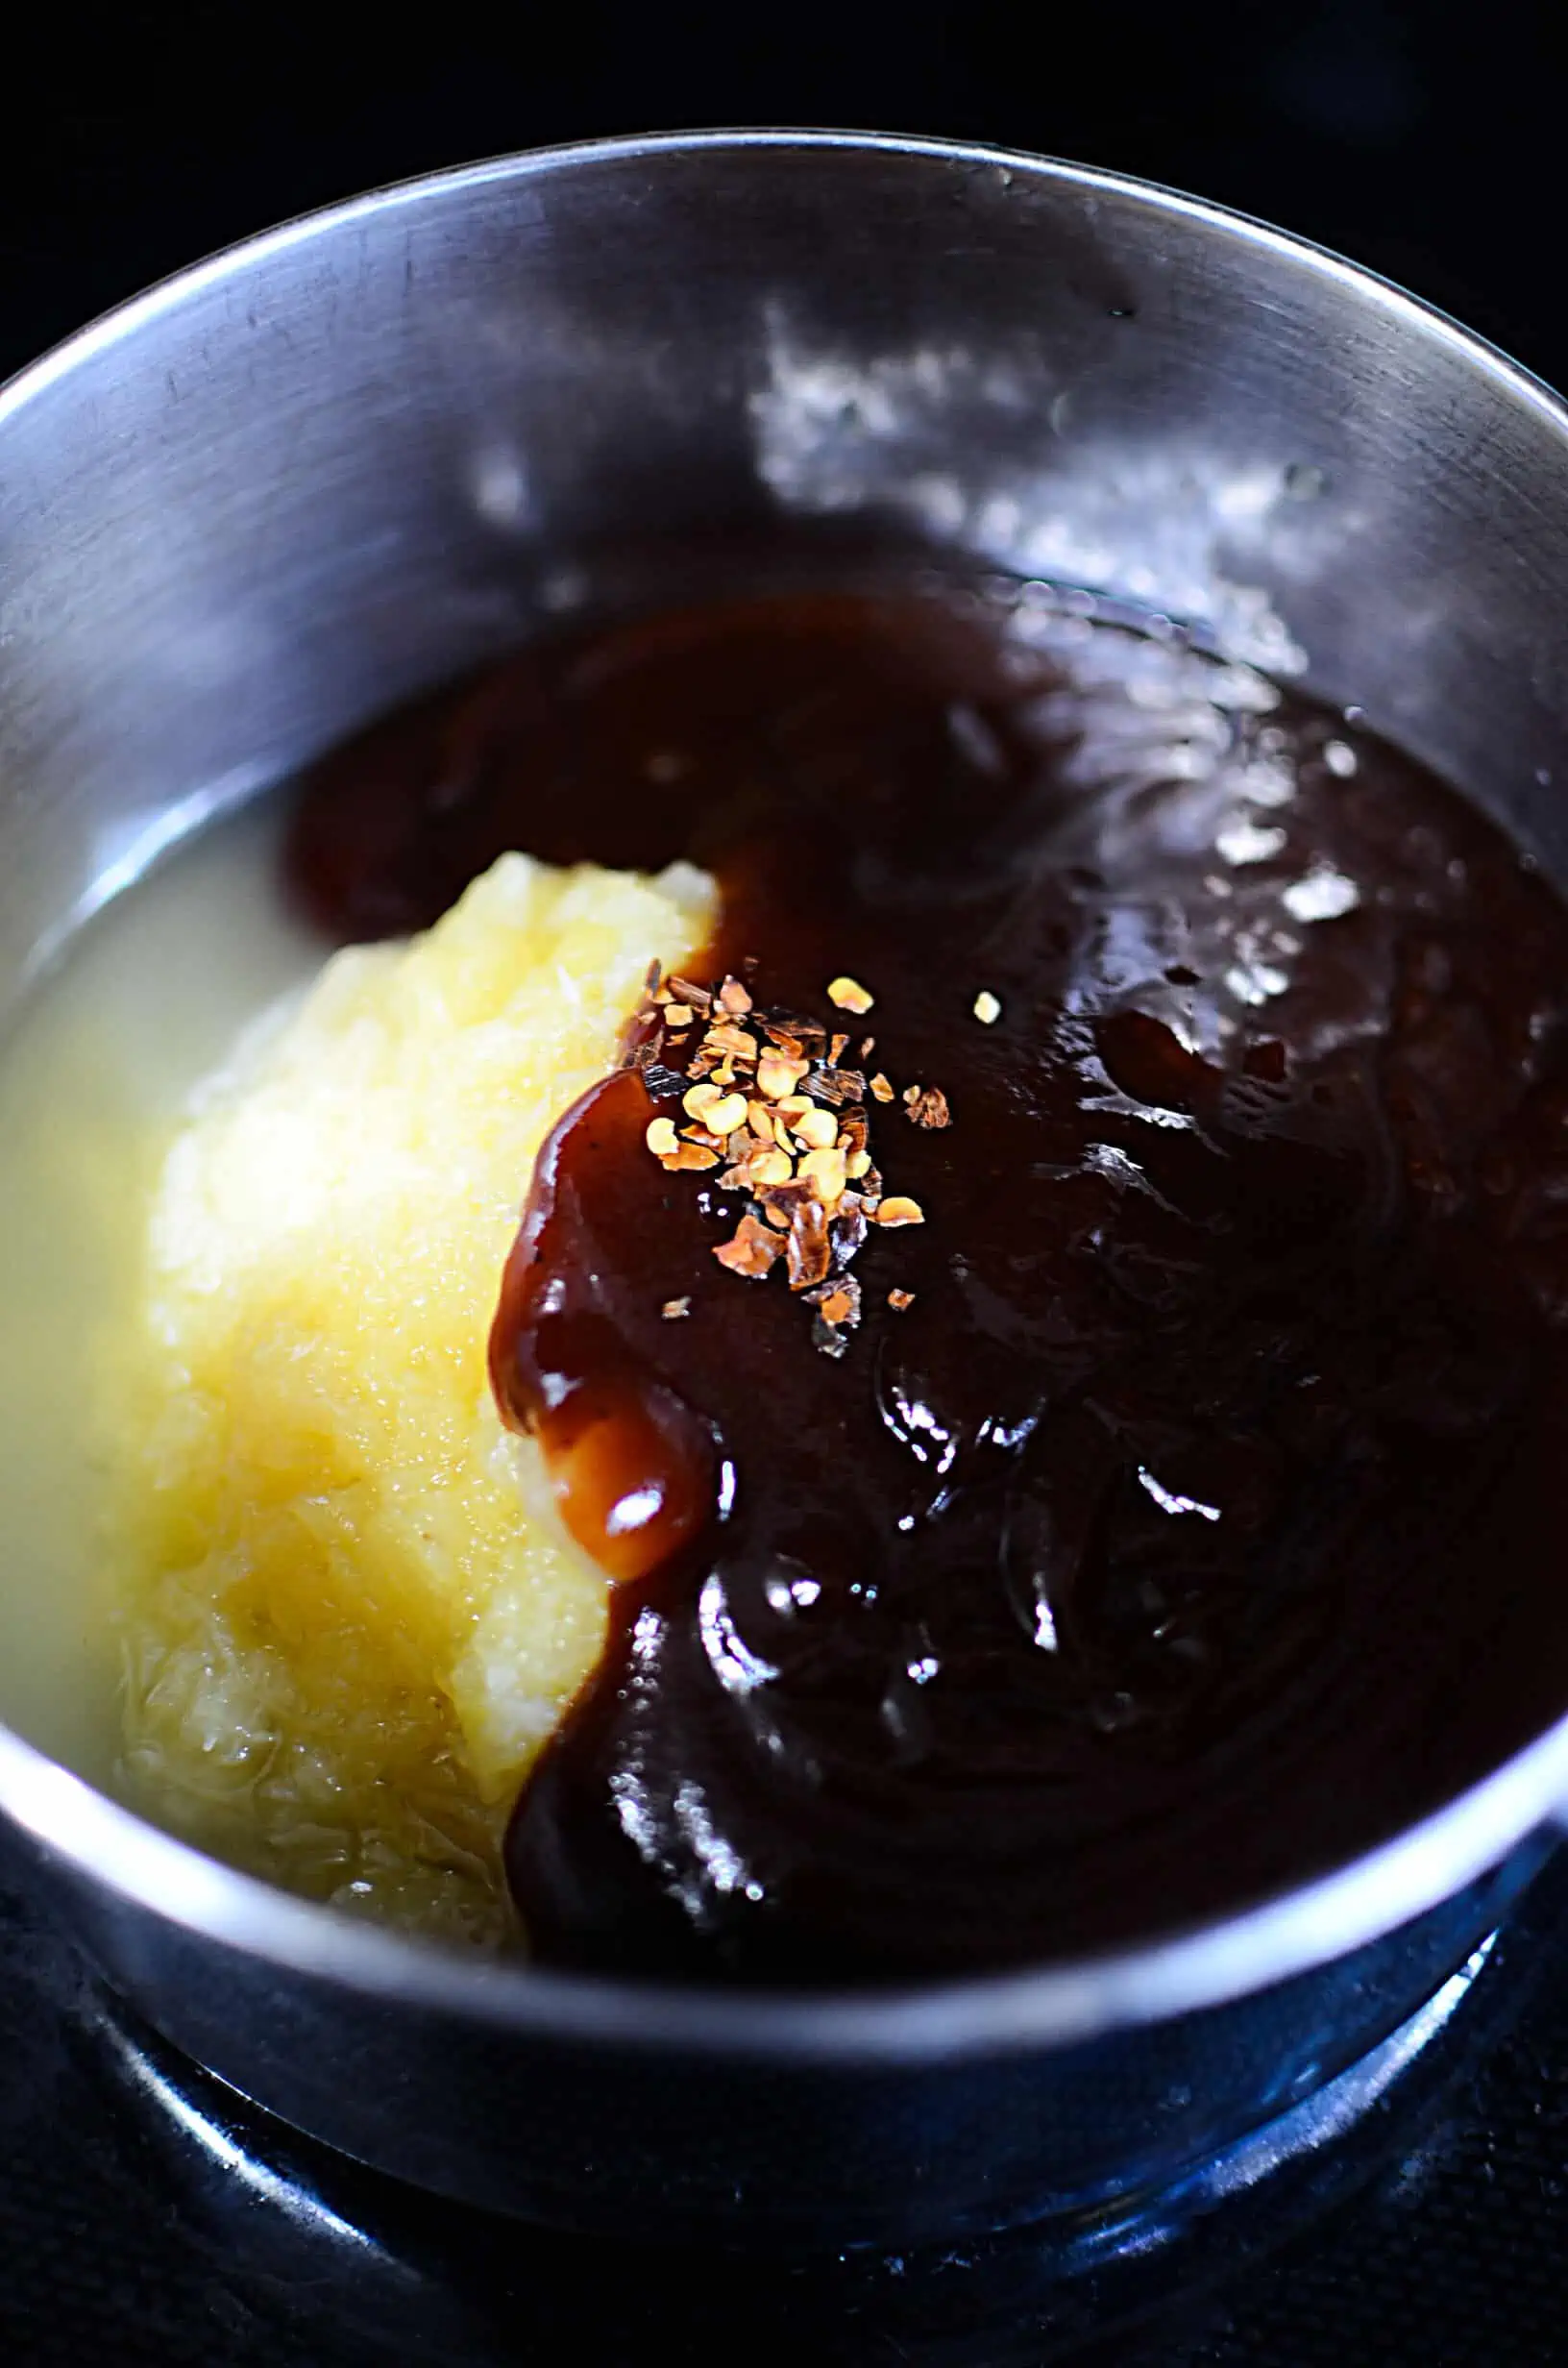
[348,1624]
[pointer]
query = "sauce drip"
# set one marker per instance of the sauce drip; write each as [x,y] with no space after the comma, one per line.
[1197,1524]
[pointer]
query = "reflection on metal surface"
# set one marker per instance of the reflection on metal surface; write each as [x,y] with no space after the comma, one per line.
[428,2280]
[842,432]
[1336,2108]
[227,2155]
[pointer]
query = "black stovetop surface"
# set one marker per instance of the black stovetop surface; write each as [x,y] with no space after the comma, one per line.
[149,2215]
[146,2215]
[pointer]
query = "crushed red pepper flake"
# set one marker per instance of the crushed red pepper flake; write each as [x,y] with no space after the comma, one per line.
[754,1169]
[768,1092]
[810,1250]
[750,1249]
[837,1301]
[779,1074]
[900,1210]
[661,1080]
[929,1107]
[733,1043]
[786,1194]
[848,1230]
[837,1305]
[836,1086]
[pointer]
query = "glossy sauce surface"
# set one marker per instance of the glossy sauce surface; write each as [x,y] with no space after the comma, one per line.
[1198,1522]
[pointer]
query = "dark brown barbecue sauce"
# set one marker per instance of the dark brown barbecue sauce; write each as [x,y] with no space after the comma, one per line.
[1200,1519]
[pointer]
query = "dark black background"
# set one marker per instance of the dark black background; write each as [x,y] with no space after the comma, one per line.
[1423,139]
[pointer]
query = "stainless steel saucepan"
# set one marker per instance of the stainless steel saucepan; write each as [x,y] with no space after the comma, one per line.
[353,457]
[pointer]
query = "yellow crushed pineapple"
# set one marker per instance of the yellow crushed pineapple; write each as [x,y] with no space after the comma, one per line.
[346,1632]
